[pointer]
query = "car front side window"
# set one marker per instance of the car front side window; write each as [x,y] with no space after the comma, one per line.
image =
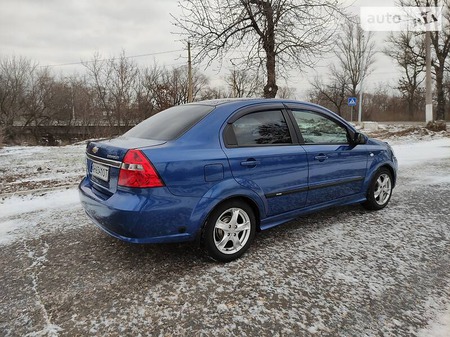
[262,128]
[317,129]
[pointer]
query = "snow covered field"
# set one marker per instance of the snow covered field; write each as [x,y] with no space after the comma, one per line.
[327,262]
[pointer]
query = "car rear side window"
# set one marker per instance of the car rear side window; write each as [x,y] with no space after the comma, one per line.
[317,129]
[171,123]
[259,128]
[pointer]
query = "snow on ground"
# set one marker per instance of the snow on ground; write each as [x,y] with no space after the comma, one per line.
[440,327]
[37,167]
[34,182]
[12,209]
[412,154]
[404,133]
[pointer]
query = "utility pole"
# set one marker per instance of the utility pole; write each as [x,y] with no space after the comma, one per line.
[428,87]
[73,103]
[361,84]
[190,90]
[234,79]
[234,83]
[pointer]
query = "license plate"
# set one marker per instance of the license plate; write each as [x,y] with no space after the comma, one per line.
[100,171]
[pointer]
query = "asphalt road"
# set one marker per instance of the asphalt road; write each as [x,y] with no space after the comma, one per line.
[343,272]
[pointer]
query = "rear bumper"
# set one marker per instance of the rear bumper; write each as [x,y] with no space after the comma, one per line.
[144,216]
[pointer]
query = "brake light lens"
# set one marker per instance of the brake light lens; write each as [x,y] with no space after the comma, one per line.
[137,171]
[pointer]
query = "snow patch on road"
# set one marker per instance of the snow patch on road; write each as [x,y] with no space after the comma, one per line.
[439,327]
[417,153]
[35,269]
[17,205]
[22,214]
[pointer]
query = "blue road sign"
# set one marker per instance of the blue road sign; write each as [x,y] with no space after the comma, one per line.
[351,101]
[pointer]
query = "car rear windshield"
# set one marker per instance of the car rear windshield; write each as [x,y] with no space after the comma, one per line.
[171,123]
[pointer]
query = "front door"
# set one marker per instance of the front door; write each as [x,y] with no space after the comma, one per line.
[336,167]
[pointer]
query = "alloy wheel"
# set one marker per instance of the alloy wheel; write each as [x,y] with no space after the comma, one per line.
[232,230]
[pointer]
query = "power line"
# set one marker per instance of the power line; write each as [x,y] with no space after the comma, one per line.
[112,59]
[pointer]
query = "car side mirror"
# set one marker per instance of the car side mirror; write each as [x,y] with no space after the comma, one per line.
[359,138]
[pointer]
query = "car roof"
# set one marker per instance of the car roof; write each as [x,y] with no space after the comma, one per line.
[248,101]
[223,101]
[242,102]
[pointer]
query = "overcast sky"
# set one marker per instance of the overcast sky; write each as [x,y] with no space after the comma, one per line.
[60,32]
[66,31]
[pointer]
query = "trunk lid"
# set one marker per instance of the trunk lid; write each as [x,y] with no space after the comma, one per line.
[104,159]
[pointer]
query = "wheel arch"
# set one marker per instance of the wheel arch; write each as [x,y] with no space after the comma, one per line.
[384,166]
[245,199]
[372,171]
[209,236]
[371,202]
[225,190]
[201,219]
[391,170]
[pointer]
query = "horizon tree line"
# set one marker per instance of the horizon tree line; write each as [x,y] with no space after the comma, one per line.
[118,92]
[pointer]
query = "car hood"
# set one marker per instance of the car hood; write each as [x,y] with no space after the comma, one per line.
[372,141]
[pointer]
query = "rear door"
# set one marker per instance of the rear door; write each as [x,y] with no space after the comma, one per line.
[264,155]
[336,167]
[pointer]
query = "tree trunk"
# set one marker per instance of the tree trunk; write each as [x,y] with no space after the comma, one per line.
[411,106]
[271,88]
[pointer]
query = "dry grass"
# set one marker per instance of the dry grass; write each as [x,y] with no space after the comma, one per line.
[418,131]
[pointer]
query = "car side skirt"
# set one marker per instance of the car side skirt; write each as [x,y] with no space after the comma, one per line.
[285,217]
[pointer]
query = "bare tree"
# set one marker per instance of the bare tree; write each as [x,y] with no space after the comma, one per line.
[123,89]
[408,50]
[380,104]
[244,83]
[172,88]
[275,34]
[99,78]
[74,102]
[146,97]
[286,92]
[115,83]
[15,77]
[355,51]
[213,93]
[331,94]
[38,96]
[440,41]
[162,88]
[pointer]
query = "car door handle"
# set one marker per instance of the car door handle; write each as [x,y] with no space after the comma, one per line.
[250,163]
[321,157]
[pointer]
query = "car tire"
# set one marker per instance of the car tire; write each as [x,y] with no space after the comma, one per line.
[229,231]
[380,190]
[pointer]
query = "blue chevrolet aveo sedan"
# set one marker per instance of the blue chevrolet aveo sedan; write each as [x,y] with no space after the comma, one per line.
[219,171]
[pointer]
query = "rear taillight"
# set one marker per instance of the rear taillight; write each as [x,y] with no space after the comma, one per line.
[137,171]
